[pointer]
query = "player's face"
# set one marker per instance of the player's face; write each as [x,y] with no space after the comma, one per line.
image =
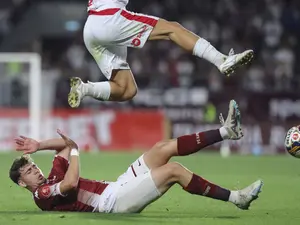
[31,175]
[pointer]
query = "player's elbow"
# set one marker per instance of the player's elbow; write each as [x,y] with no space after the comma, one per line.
[72,183]
[68,185]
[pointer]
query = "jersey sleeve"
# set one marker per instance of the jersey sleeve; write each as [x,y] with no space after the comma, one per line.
[59,168]
[48,191]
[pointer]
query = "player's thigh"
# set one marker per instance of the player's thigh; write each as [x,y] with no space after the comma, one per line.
[163,28]
[137,168]
[102,29]
[124,28]
[108,58]
[161,153]
[136,194]
[136,28]
[112,61]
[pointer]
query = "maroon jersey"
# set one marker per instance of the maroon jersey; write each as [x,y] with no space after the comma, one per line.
[85,198]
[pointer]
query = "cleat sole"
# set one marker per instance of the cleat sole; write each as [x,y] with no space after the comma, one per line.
[243,61]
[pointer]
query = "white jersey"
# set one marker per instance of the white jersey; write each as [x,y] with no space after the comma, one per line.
[98,5]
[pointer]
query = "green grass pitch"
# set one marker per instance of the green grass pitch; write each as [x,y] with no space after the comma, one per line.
[279,202]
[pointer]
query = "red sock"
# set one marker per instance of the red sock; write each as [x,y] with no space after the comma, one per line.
[200,186]
[190,144]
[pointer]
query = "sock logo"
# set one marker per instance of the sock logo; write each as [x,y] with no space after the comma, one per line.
[198,139]
[206,190]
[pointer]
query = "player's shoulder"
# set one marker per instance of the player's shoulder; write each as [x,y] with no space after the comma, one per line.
[43,197]
[43,192]
[47,190]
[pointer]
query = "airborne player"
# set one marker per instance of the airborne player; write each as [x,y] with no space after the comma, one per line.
[110,29]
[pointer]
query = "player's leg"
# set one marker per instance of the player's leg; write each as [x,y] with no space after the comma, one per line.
[161,153]
[166,30]
[134,194]
[138,28]
[166,176]
[120,87]
[111,59]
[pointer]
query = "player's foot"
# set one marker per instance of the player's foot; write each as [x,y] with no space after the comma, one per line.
[233,121]
[76,93]
[234,61]
[248,194]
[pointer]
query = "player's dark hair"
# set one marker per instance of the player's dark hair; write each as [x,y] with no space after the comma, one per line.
[14,172]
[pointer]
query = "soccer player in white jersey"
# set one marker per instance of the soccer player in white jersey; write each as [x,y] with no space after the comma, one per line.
[145,180]
[110,29]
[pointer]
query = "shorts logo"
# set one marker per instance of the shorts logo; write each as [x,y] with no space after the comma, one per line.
[137,41]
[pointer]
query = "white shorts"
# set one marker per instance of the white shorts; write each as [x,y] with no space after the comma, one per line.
[132,192]
[108,33]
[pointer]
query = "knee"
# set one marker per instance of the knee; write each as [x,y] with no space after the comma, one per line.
[125,93]
[124,86]
[160,144]
[129,93]
[163,146]
[175,170]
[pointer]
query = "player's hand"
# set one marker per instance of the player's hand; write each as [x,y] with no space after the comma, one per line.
[26,145]
[69,142]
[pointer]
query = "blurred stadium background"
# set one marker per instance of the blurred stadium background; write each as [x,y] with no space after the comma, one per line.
[173,86]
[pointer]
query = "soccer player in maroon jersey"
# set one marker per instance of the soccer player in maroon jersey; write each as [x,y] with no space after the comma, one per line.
[110,29]
[145,180]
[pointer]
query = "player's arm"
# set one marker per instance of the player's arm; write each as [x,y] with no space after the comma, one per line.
[56,144]
[29,145]
[71,178]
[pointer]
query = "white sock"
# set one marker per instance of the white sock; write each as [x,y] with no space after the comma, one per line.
[233,197]
[224,133]
[98,90]
[205,50]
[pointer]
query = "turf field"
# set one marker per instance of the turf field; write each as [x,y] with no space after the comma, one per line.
[279,203]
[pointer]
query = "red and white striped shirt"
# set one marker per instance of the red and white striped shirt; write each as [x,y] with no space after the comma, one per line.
[98,5]
[84,199]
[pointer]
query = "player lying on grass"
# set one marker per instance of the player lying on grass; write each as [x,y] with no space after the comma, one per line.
[146,180]
[110,29]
